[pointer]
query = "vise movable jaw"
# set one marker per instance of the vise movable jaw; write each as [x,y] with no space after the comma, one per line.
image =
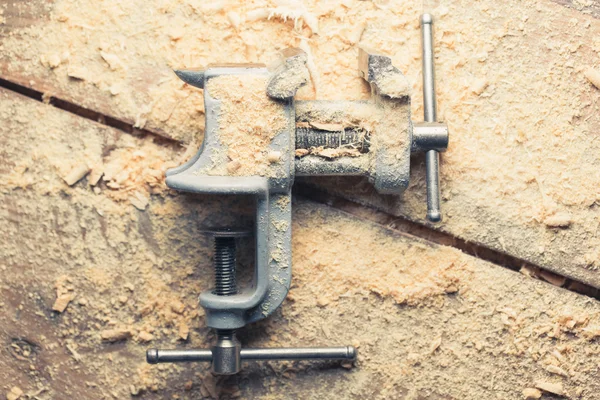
[257,139]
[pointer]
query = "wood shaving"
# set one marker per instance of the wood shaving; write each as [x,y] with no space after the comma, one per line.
[115,335]
[551,387]
[593,76]
[77,173]
[531,394]
[330,153]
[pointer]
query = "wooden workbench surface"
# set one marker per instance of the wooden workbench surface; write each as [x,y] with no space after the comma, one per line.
[521,177]
[524,151]
[92,276]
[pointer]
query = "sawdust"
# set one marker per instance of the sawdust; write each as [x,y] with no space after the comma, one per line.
[126,168]
[395,298]
[415,311]
[248,121]
[485,92]
[390,274]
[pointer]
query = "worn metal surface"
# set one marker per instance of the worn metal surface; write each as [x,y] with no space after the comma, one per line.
[432,157]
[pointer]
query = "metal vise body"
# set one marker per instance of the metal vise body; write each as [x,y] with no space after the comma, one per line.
[257,139]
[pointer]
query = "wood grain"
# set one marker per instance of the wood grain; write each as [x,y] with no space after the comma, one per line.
[461,318]
[491,219]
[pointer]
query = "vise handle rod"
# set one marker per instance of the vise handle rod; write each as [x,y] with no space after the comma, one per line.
[432,157]
[155,356]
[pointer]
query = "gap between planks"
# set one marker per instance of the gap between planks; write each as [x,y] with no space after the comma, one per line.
[86,113]
[424,232]
[309,192]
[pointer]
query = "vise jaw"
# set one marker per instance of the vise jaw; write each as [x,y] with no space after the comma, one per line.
[257,139]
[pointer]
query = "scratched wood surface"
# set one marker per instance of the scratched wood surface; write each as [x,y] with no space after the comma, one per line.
[506,170]
[429,321]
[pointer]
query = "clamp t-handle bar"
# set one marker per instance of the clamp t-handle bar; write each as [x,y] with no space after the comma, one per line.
[432,157]
[226,355]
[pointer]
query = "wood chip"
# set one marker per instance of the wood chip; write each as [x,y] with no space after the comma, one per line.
[114,335]
[274,156]
[479,86]
[593,75]
[113,61]
[177,306]
[531,394]
[355,35]
[77,174]
[78,72]
[550,387]
[53,60]
[435,344]
[529,271]
[184,331]
[554,279]
[62,301]
[558,220]
[323,301]
[76,356]
[233,166]
[139,200]
[134,390]
[14,394]
[337,153]
[144,336]
[234,19]
[301,152]
[95,175]
[553,369]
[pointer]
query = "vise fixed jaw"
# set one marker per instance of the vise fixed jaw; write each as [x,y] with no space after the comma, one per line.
[257,139]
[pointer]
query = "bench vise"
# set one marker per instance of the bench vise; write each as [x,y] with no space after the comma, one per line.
[257,139]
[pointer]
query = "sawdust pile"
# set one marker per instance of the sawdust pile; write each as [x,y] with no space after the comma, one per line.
[248,121]
[417,313]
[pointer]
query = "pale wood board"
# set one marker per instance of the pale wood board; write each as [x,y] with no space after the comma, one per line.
[430,322]
[148,94]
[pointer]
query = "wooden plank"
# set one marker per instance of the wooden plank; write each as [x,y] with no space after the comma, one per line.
[34,39]
[430,321]
[523,149]
[515,168]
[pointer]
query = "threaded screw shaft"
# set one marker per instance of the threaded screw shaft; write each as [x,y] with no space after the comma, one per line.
[225,263]
[311,137]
